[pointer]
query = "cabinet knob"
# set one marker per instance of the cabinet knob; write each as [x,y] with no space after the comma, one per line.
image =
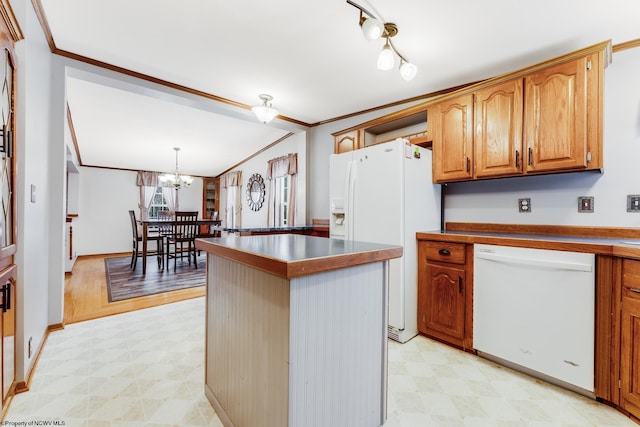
[444,252]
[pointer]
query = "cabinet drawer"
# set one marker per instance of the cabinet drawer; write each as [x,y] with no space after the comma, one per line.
[445,252]
[631,278]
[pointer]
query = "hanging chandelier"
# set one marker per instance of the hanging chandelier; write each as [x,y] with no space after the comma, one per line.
[176,179]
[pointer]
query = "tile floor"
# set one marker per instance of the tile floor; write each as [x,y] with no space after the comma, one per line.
[145,368]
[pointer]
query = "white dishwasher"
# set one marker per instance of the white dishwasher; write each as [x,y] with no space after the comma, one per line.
[534,310]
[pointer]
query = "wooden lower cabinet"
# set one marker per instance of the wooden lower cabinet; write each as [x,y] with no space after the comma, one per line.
[445,292]
[8,320]
[630,338]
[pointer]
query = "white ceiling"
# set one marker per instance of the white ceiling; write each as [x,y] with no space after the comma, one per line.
[310,56]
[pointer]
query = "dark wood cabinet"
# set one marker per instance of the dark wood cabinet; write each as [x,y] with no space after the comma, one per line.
[210,197]
[444,292]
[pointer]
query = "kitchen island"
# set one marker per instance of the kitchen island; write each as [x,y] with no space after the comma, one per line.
[296,330]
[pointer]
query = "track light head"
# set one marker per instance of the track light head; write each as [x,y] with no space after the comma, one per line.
[372,28]
[407,70]
[385,59]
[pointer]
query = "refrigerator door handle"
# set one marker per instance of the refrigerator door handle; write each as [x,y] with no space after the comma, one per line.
[353,176]
[348,205]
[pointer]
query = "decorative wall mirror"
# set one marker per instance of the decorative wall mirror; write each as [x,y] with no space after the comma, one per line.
[255,192]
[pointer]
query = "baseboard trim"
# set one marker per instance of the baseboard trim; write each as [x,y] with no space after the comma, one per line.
[24,386]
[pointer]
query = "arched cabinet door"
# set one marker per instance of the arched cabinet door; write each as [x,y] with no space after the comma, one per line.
[7,164]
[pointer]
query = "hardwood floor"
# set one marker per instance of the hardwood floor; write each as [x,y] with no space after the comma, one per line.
[85,293]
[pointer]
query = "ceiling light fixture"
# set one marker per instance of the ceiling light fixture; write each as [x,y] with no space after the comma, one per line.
[373,28]
[265,112]
[386,59]
[176,179]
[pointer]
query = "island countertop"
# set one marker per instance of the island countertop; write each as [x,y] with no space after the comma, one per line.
[293,255]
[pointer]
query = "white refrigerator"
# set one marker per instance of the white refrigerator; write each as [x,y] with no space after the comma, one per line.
[384,194]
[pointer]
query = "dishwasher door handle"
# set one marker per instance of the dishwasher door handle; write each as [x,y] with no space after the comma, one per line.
[544,263]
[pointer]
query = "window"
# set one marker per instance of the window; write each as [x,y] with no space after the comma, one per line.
[284,200]
[159,203]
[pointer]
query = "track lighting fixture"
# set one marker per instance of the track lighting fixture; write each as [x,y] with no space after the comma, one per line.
[373,27]
[265,112]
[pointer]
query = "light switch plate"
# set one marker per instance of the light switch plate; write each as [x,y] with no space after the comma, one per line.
[585,204]
[633,203]
[33,193]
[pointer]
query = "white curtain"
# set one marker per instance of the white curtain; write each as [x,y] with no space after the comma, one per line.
[170,196]
[147,183]
[276,170]
[232,182]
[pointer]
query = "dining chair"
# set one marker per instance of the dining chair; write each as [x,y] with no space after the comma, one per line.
[182,239]
[137,239]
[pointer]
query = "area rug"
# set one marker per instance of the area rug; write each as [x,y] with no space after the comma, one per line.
[124,283]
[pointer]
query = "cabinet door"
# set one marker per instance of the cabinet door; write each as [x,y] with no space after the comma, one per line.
[210,197]
[630,353]
[555,117]
[452,125]
[8,303]
[348,141]
[445,306]
[498,130]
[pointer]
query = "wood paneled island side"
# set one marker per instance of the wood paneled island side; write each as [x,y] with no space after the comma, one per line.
[296,330]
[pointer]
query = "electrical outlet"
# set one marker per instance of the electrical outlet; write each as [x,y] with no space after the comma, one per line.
[585,204]
[524,205]
[633,203]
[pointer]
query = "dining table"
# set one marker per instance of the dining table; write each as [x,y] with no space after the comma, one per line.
[156,223]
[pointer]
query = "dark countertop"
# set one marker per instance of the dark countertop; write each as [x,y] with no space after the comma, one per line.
[598,245]
[267,229]
[294,255]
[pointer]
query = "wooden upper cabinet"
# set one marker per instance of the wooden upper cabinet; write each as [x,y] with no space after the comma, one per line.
[347,141]
[555,117]
[543,119]
[498,129]
[452,124]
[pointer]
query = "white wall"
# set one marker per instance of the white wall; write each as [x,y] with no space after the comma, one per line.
[296,143]
[33,149]
[106,196]
[554,197]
